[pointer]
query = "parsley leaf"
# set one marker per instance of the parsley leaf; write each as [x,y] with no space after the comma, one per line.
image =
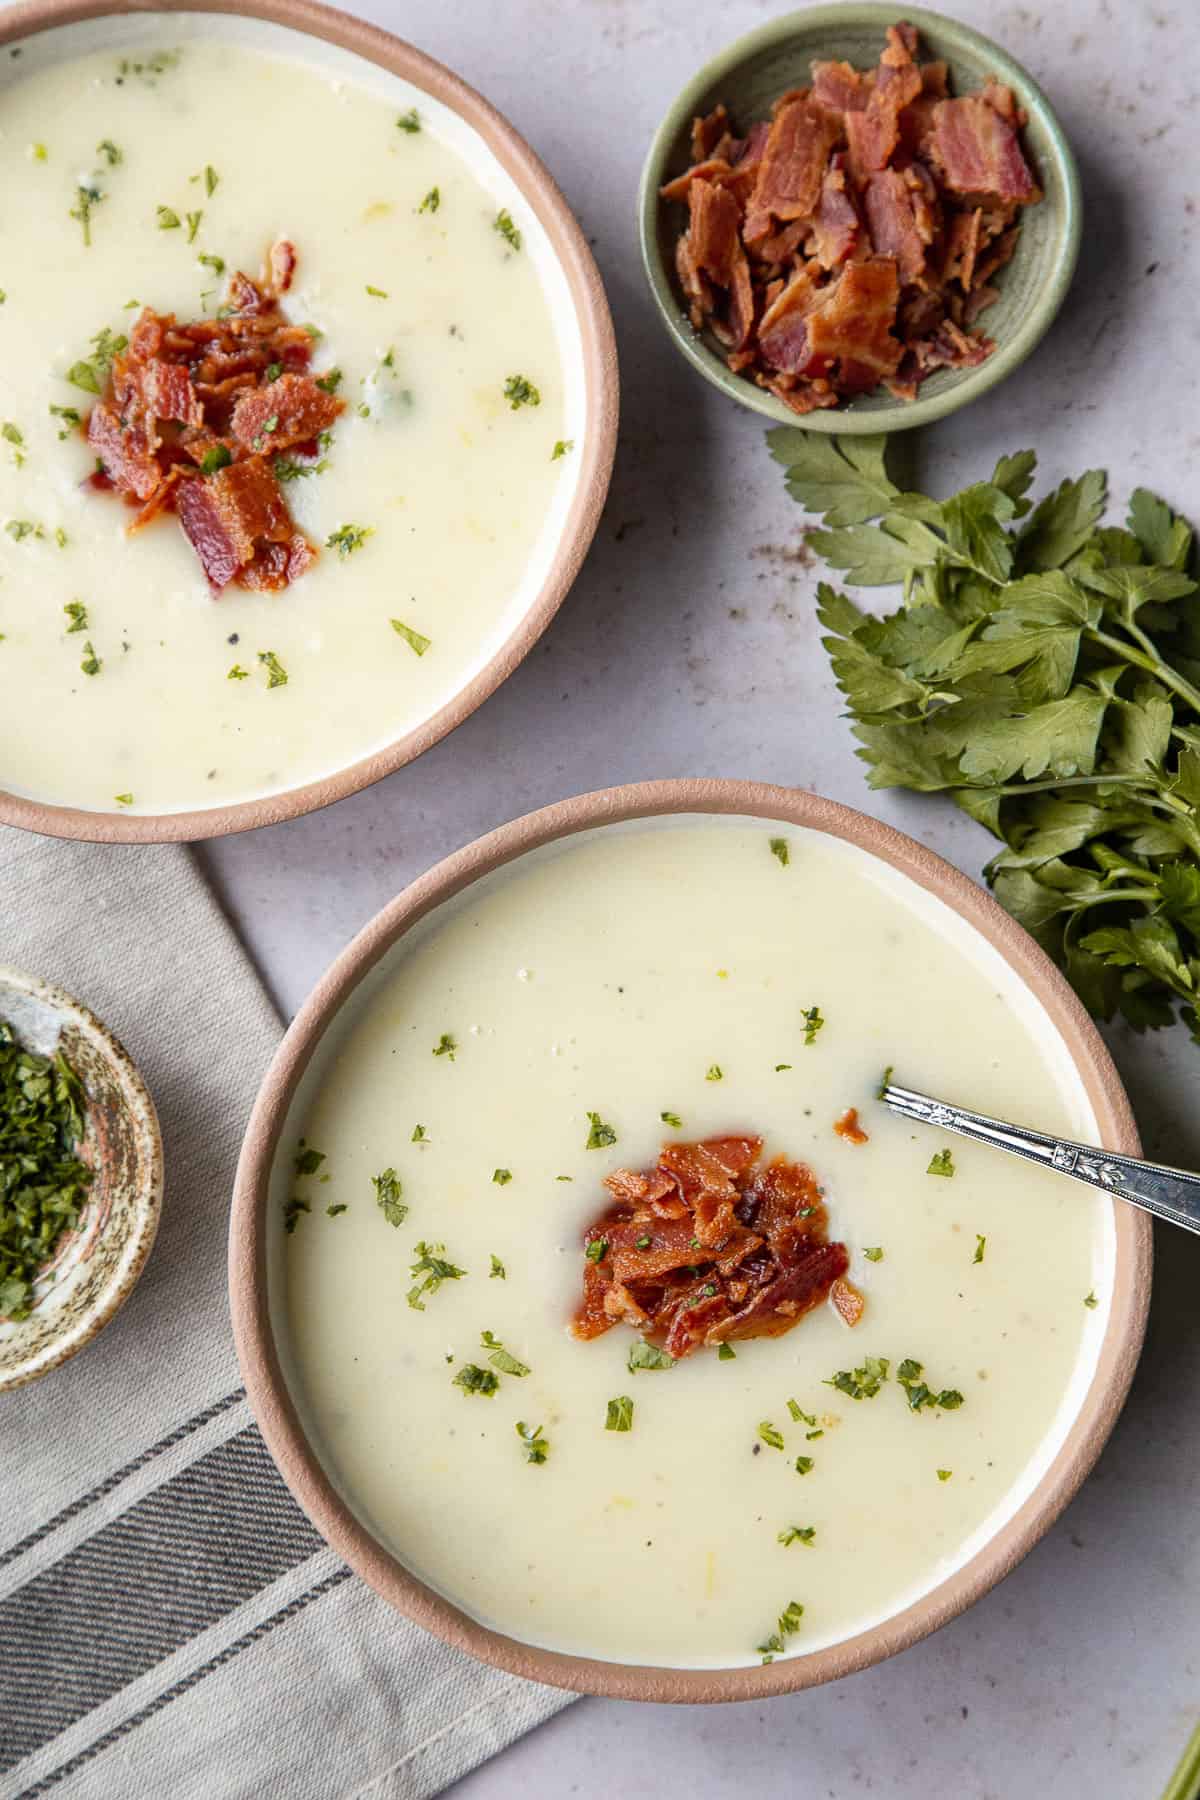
[647,1356]
[349,538]
[387,1197]
[412,638]
[474,1380]
[433,1268]
[501,1358]
[812,1023]
[941,1163]
[619,1416]
[409,122]
[770,1435]
[919,1394]
[520,392]
[672,1119]
[600,1135]
[861,1383]
[779,848]
[797,1534]
[499,1272]
[536,1445]
[503,223]
[276,673]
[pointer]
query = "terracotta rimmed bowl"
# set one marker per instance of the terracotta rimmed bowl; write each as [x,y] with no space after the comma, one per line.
[305,28]
[256,1238]
[753,72]
[96,1266]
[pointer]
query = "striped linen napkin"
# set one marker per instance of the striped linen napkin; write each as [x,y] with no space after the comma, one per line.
[170,1623]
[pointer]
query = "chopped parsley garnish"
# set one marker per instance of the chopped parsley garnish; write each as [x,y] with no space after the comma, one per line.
[193,225]
[941,1163]
[76,611]
[874,1253]
[330,383]
[919,1394]
[168,218]
[19,529]
[474,1380]
[799,1415]
[109,151]
[86,200]
[43,1184]
[520,392]
[83,375]
[445,1046]
[12,434]
[216,458]
[388,1189]
[276,673]
[797,1534]
[770,1435]
[714,1072]
[409,121]
[501,1177]
[414,639]
[123,799]
[419,1135]
[431,202]
[561,448]
[619,1416]
[813,1022]
[1090,1299]
[91,664]
[211,179]
[980,1247]
[810,1435]
[71,420]
[501,1358]
[237,673]
[377,293]
[292,1207]
[217,265]
[596,1249]
[884,1084]
[803,1464]
[789,1624]
[499,1272]
[536,1446]
[781,1068]
[336,1208]
[862,1383]
[672,1119]
[600,1135]
[503,223]
[288,469]
[944,1474]
[38,152]
[779,849]
[726,1353]
[308,1160]
[349,538]
[642,1243]
[647,1356]
[432,1266]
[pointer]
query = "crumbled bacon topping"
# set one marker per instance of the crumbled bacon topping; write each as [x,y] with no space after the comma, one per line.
[851,238]
[849,1128]
[710,1245]
[192,414]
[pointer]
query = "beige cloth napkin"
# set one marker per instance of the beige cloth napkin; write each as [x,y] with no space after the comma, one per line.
[170,1624]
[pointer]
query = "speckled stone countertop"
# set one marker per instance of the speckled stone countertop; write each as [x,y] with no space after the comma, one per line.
[689,647]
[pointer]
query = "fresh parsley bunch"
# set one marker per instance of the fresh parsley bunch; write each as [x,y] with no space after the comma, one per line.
[1044,668]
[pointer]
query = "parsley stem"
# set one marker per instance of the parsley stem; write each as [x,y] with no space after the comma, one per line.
[1153,665]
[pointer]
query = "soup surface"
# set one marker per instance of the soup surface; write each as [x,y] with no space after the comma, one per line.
[669,969]
[428,302]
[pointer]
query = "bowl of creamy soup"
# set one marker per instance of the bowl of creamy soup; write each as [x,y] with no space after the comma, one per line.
[308,418]
[597,1312]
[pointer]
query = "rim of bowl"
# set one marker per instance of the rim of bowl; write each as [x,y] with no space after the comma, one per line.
[267,1389]
[903,415]
[127,1271]
[545,199]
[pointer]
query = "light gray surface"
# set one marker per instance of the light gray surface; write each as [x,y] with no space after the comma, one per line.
[689,647]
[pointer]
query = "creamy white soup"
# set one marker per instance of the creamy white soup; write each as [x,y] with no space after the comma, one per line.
[433,288]
[583,994]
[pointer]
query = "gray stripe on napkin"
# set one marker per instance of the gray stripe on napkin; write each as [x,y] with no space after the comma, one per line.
[174,1564]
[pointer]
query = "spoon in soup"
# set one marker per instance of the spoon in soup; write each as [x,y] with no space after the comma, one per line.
[1171,1194]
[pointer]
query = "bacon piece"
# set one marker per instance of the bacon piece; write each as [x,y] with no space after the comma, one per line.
[847,1300]
[127,446]
[281,264]
[976,151]
[916,119]
[715,252]
[874,133]
[289,410]
[836,224]
[776,1307]
[892,202]
[855,321]
[793,166]
[962,248]
[276,566]
[227,517]
[783,332]
[711,170]
[848,1127]
[840,87]
[708,131]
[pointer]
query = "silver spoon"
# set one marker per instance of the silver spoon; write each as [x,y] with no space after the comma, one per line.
[1171,1194]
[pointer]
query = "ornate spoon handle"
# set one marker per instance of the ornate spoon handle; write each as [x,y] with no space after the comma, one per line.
[1171,1194]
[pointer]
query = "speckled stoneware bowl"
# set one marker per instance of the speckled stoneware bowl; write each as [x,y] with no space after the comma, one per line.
[96,1266]
[759,67]
[258,1283]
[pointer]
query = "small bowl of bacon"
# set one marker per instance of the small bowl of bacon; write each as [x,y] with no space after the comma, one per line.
[859,221]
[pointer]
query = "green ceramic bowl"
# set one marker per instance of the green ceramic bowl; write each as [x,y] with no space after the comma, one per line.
[758,67]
